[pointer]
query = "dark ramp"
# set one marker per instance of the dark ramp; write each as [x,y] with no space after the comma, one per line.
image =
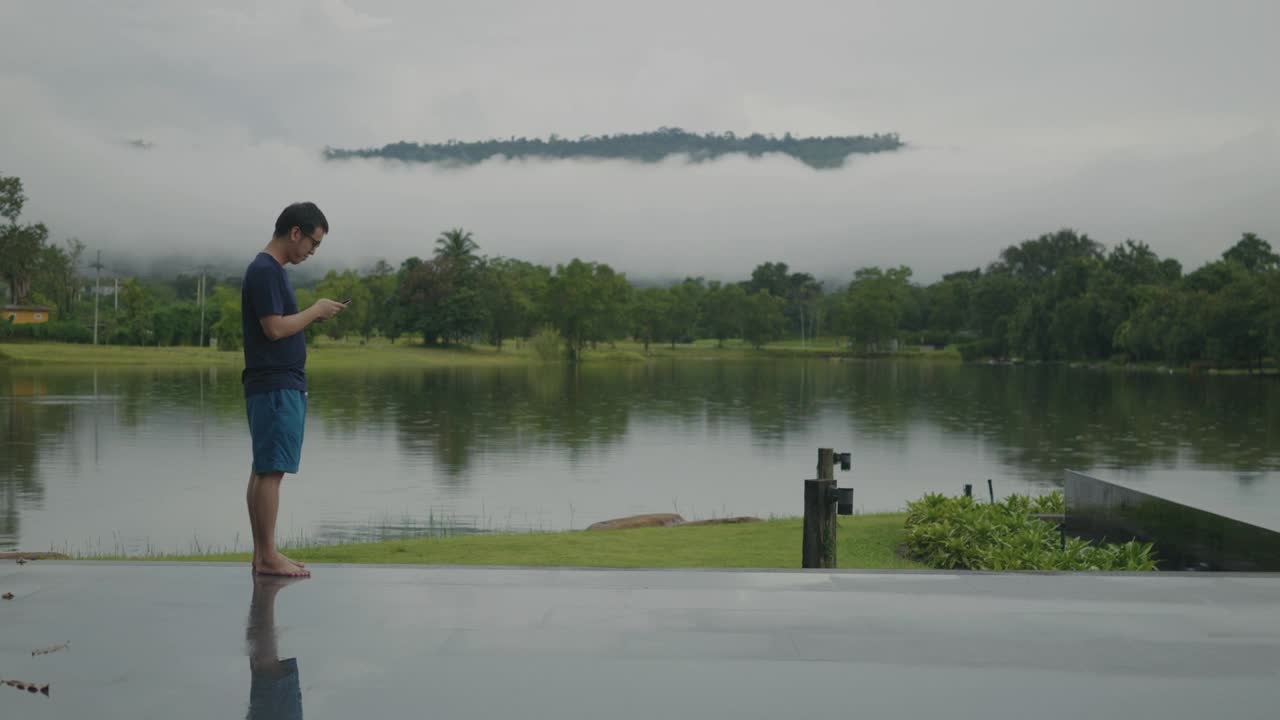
[1197,532]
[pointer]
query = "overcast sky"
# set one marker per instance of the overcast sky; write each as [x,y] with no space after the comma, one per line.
[1154,120]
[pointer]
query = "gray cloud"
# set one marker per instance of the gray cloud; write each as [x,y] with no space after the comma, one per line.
[1151,120]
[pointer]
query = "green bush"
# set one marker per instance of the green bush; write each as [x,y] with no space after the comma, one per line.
[959,533]
[937,338]
[68,331]
[548,344]
[978,349]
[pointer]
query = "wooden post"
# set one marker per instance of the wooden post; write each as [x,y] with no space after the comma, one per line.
[819,547]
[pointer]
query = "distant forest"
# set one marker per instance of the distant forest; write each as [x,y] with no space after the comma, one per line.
[820,153]
[1061,296]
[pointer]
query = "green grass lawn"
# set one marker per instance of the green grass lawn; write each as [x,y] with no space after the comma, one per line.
[322,355]
[55,353]
[325,354]
[864,542]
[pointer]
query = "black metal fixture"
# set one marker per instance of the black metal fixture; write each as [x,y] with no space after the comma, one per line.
[845,459]
[844,501]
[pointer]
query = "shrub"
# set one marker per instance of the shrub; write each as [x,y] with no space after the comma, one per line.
[548,344]
[937,338]
[68,331]
[959,533]
[978,349]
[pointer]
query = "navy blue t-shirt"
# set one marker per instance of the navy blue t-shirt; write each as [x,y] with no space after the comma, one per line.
[268,365]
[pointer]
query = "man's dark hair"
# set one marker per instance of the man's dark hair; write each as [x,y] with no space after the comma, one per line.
[305,216]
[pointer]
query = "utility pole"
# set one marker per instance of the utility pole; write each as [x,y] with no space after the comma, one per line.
[97,292]
[116,294]
[201,291]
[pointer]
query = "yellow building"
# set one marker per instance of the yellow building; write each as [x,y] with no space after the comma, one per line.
[26,314]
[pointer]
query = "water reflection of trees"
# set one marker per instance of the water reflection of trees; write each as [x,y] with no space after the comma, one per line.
[1046,419]
[29,428]
[454,415]
[1037,419]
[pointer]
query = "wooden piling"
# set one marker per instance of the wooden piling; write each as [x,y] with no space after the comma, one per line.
[819,546]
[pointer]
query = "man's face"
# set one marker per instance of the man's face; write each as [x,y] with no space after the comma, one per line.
[302,245]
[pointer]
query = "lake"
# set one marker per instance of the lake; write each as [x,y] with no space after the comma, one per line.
[140,460]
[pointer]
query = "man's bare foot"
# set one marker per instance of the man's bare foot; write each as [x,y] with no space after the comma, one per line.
[279,565]
[295,562]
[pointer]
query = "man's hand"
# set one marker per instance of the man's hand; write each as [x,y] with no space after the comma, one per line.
[325,309]
[278,327]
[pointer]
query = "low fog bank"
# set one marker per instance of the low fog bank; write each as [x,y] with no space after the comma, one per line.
[195,200]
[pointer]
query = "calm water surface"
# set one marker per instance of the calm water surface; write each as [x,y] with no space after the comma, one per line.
[131,460]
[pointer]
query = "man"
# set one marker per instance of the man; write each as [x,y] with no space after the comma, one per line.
[274,378]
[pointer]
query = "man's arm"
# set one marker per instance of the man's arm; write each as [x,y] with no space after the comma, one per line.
[278,327]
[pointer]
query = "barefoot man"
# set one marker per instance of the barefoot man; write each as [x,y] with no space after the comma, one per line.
[275,378]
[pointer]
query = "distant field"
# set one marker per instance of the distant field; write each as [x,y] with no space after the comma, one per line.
[328,354]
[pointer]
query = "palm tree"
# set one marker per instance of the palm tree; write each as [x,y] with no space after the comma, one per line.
[456,245]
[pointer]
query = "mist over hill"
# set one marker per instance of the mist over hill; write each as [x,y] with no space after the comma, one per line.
[819,153]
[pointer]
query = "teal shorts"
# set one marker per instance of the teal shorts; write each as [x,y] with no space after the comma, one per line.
[276,420]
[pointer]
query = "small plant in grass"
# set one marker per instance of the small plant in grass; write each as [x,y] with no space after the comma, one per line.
[959,533]
[548,344]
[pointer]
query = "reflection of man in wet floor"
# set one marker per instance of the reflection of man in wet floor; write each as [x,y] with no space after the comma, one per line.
[275,693]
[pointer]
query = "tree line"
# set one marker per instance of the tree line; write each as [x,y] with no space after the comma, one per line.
[819,153]
[1058,297]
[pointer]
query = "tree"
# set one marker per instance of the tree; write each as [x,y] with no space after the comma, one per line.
[1136,264]
[1167,324]
[176,323]
[137,307]
[380,285]
[11,198]
[1035,260]
[424,288]
[1235,320]
[1213,277]
[462,313]
[57,275]
[772,278]
[804,297]
[586,303]
[650,312]
[683,302]
[457,246]
[510,290]
[21,246]
[722,312]
[992,305]
[1271,320]
[874,304]
[762,318]
[227,330]
[1253,253]
[948,303]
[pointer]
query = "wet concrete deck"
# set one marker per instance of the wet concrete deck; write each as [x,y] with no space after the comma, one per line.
[164,641]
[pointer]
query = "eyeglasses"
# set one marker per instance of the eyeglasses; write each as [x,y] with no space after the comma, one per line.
[314,242]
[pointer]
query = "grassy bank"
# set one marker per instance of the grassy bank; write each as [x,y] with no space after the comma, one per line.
[865,542]
[322,355]
[326,354]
